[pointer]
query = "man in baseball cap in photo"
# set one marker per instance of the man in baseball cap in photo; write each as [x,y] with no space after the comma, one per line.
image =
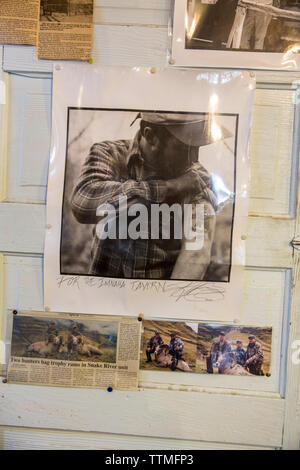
[152,344]
[160,165]
[255,356]
[190,132]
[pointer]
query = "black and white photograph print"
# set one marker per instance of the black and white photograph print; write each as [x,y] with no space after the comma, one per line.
[64,339]
[66,11]
[149,195]
[233,350]
[245,25]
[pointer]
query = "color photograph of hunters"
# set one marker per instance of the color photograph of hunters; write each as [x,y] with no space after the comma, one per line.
[63,339]
[66,11]
[169,346]
[247,25]
[233,350]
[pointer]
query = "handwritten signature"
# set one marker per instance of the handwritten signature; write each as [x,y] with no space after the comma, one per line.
[196,291]
[189,291]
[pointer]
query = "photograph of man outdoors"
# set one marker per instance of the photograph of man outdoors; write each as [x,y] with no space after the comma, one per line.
[149,195]
[238,350]
[169,346]
[63,339]
[248,25]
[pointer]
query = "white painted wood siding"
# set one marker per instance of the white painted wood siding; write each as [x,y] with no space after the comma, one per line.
[133,32]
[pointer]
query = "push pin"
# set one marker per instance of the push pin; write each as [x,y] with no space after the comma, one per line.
[4,381]
[140,317]
[15,312]
[153,70]
[91,61]
[244,237]
[109,389]
[172,61]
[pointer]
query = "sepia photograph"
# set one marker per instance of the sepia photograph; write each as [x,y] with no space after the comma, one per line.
[233,350]
[169,346]
[67,340]
[246,25]
[66,11]
[149,195]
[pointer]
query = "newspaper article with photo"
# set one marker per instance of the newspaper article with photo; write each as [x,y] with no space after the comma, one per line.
[206,348]
[75,351]
[265,33]
[147,205]
[19,21]
[65,30]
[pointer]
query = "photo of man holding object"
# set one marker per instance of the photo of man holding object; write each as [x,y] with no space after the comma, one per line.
[153,206]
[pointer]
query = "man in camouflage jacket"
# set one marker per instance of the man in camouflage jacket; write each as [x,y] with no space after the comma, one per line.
[240,354]
[51,332]
[176,346]
[220,353]
[255,356]
[153,342]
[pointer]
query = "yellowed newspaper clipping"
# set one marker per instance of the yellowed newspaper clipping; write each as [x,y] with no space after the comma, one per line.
[75,351]
[19,21]
[65,30]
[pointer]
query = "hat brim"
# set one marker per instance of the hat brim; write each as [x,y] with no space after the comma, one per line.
[199,134]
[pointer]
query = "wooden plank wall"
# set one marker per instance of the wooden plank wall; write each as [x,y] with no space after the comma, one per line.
[136,33]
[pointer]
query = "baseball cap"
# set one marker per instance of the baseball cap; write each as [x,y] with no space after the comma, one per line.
[191,129]
[222,333]
[251,337]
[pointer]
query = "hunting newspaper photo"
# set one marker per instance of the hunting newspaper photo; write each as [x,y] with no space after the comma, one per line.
[206,348]
[75,351]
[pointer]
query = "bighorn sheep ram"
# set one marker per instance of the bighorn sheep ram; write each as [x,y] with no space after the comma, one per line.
[43,349]
[164,359]
[231,368]
[85,349]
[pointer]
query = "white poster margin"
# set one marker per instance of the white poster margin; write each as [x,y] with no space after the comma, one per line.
[140,88]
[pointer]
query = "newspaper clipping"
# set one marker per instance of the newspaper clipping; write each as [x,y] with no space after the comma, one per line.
[75,351]
[19,21]
[66,28]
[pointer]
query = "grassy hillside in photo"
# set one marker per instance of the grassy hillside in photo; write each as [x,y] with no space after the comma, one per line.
[184,332]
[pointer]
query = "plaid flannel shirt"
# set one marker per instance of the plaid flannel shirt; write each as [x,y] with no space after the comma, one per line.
[113,169]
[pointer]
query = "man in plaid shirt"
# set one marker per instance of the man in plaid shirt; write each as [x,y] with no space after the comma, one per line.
[160,165]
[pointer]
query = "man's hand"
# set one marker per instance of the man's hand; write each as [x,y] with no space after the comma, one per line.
[192,264]
[190,183]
